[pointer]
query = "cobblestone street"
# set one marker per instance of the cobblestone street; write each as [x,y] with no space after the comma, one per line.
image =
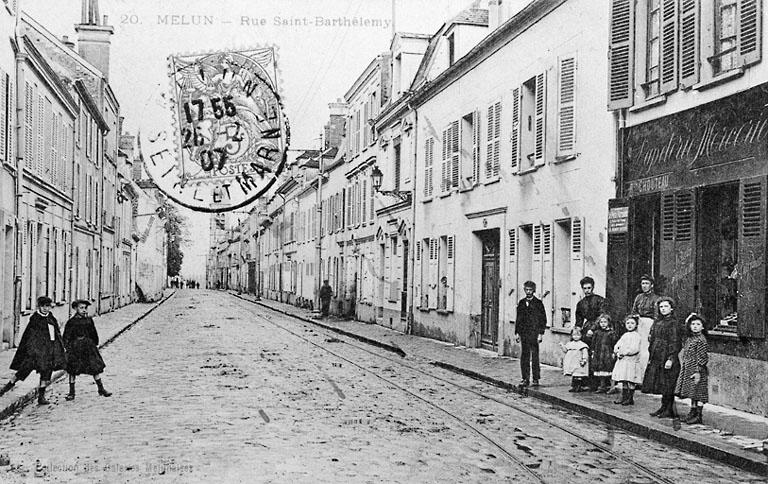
[211,388]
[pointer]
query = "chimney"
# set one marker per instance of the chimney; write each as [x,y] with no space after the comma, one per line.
[494,14]
[65,40]
[93,37]
[334,129]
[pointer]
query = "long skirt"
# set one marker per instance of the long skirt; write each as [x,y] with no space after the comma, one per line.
[644,330]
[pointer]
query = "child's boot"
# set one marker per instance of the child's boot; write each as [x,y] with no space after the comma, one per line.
[71,394]
[41,396]
[102,391]
[668,411]
[630,400]
[574,385]
[660,409]
[694,417]
[622,398]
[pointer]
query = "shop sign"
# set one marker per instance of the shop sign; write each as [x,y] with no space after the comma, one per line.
[618,220]
[648,185]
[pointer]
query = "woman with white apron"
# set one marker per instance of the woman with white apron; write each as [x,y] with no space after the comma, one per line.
[647,306]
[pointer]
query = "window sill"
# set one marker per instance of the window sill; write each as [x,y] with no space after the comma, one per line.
[529,170]
[426,200]
[423,310]
[649,103]
[726,335]
[444,195]
[564,158]
[491,181]
[719,79]
[444,312]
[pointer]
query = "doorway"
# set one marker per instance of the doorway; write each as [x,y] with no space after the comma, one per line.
[489,316]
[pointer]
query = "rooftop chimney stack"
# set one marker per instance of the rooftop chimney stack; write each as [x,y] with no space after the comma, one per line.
[93,37]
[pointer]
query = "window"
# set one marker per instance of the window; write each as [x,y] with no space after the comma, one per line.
[396,156]
[527,114]
[469,163]
[451,49]
[654,49]
[725,36]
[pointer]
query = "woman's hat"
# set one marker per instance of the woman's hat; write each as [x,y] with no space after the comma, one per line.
[78,302]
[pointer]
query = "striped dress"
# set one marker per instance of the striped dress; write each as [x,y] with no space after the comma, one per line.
[694,360]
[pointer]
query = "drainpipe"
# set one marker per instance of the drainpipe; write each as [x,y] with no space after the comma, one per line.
[412,274]
[18,262]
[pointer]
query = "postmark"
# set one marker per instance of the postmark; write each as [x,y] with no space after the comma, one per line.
[227,136]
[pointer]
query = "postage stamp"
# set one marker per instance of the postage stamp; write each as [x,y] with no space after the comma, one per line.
[229,136]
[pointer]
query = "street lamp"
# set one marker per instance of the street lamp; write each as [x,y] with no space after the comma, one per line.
[376,177]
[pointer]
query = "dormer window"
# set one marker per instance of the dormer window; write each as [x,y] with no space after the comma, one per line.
[451,49]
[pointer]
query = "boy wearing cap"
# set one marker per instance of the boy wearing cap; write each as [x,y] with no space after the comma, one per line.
[82,343]
[41,349]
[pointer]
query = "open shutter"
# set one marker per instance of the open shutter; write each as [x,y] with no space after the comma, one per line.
[512,269]
[750,31]
[689,43]
[621,54]
[417,276]
[541,114]
[450,271]
[398,274]
[566,109]
[387,277]
[444,164]
[28,127]
[429,147]
[433,253]
[454,161]
[577,250]
[496,139]
[669,50]
[536,269]
[4,116]
[752,217]
[514,136]
[476,147]
[667,244]
[489,143]
[546,266]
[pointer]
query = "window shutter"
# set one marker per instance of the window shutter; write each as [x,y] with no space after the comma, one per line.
[677,248]
[621,54]
[388,268]
[752,272]
[566,115]
[444,168]
[489,143]
[512,261]
[750,31]
[39,126]
[454,154]
[577,240]
[363,200]
[429,148]
[541,113]
[450,271]
[536,267]
[28,126]
[417,275]
[497,139]
[476,147]
[689,43]
[669,46]
[4,95]
[433,274]
[514,136]
[546,241]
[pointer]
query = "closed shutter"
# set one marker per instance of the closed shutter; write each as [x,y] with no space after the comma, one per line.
[454,162]
[489,143]
[54,163]
[39,126]
[475,147]
[541,119]
[417,275]
[388,268]
[566,114]
[398,271]
[512,268]
[621,54]
[429,148]
[496,139]
[514,136]
[4,96]
[444,160]
[750,31]
[450,271]
[577,248]
[546,265]
[363,202]
[28,127]
[669,43]
[752,218]
[677,254]
[536,267]
[689,43]
[433,259]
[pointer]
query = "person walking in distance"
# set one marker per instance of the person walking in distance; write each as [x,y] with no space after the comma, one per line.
[82,343]
[529,330]
[40,349]
[325,297]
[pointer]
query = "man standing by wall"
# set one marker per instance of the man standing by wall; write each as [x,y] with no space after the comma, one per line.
[325,297]
[529,329]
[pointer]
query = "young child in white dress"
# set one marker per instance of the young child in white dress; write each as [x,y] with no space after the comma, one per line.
[627,370]
[576,360]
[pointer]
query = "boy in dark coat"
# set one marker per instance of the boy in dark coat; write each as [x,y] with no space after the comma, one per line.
[529,329]
[82,343]
[40,349]
[325,297]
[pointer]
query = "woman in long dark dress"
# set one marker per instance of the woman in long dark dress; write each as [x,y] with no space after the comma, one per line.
[663,363]
[82,342]
[40,349]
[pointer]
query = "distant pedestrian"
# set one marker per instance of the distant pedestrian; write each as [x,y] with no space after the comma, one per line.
[529,331]
[693,381]
[646,305]
[576,360]
[663,362]
[325,297]
[82,342]
[626,371]
[601,353]
[40,349]
[588,309]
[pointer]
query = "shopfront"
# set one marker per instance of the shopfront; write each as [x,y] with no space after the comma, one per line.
[692,213]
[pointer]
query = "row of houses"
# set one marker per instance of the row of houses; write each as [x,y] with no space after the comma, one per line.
[77,218]
[542,140]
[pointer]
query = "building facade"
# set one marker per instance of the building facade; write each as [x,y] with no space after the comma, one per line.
[691,203]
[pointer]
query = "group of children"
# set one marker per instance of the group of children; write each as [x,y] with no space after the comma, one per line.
[595,356]
[43,349]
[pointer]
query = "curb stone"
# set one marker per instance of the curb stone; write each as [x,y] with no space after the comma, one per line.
[22,400]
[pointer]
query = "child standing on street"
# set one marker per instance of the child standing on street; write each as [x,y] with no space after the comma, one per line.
[82,342]
[601,363]
[40,349]
[576,360]
[693,381]
[627,370]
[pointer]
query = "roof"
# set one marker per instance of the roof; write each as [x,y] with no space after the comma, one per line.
[471,16]
[89,102]
[46,72]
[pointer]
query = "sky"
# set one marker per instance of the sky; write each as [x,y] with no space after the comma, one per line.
[318,61]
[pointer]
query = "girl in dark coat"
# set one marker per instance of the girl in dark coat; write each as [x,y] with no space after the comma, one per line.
[663,363]
[40,349]
[601,363]
[693,381]
[82,342]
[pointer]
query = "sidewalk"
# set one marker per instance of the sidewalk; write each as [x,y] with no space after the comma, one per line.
[729,436]
[109,325]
